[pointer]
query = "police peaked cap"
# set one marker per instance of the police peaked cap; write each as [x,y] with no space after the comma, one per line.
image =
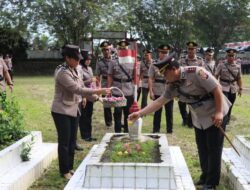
[231,51]
[146,51]
[85,54]
[71,51]
[123,43]
[209,50]
[105,44]
[191,44]
[167,62]
[164,48]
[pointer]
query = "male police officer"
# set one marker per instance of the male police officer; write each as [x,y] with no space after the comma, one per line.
[4,76]
[157,85]
[102,75]
[144,68]
[209,63]
[189,60]
[201,91]
[120,75]
[229,74]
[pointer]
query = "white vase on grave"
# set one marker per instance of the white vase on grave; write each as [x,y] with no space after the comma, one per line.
[135,129]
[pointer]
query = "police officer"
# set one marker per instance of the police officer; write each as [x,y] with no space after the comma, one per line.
[102,75]
[144,68]
[85,120]
[191,59]
[8,61]
[209,63]
[120,75]
[157,85]
[4,76]
[209,107]
[65,107]
[229,75]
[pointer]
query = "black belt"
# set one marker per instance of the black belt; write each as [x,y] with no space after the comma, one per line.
[122,80]
[160,81]
[104,77]
[199,102]
[1,78]
[145,77]
[227,81]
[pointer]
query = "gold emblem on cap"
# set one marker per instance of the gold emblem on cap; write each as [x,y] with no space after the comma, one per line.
[105,44]
[123,44]
[191,45]
[165,48]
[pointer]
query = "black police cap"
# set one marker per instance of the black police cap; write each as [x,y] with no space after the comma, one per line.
[164,48]
[231,51]
[191,44]
[167,62]
[71,51]
[123,44]
[146,51]
[209,50]
[105,44]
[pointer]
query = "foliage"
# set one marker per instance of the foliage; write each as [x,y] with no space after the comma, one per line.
[133,152]
[11,121]
[12,42]
[217,21]
[26,150]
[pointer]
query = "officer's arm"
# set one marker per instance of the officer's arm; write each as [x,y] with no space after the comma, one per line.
[218,97]
[239,82]
[7,78]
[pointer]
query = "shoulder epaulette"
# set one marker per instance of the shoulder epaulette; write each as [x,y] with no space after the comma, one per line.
[62,66]
[199,57]
[191,69]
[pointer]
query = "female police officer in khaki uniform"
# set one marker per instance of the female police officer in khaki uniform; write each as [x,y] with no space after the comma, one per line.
[209,107]
[65,107]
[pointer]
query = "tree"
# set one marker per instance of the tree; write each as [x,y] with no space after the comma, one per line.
[217,21]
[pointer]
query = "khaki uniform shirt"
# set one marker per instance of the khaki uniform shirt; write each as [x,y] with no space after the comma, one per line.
[68,91]
[124,84]
[3,68]
[227,80]
[102,70]
[210,66]
[159,81]
[196,81]
[144,68]
[197,61]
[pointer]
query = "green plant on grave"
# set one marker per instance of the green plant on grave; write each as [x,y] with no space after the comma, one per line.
[11,121]
[26,150]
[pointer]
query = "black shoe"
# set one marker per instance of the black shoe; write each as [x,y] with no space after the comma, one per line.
[90,139]
[169,132]
[108,125]
[78,147]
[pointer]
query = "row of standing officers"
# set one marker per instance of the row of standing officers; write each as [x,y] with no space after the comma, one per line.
[112,73]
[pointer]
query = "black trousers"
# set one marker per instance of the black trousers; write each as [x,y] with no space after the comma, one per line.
[210,144]
[107,116]
[231,97]
[118,115]
[144,100]
[85,120]
[66,127]
[168,115]
[186,116]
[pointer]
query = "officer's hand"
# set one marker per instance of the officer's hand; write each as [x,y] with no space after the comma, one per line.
[84,102]
[11,88]
[106,91]
[134,116]
[217,119]
[239,92]
[152,96]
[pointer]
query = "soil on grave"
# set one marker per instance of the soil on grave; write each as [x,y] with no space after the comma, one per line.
[149,152]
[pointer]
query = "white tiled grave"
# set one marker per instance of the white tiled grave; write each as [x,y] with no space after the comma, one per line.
[18,175]
[169,174]
[237,168]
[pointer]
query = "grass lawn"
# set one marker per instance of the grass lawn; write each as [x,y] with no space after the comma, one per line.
[35,94]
